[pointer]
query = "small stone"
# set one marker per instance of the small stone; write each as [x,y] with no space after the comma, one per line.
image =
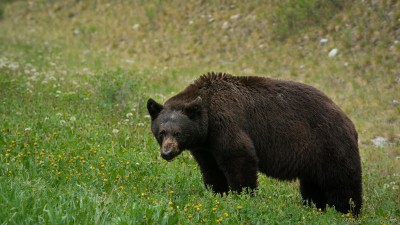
[76,32]
[323,41]
[136,26]
[225,25]
[379,141]
[333,53]
[235,17]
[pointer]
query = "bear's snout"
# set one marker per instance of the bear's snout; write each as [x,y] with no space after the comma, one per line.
[169,149]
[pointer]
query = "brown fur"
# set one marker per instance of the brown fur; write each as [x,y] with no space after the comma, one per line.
[236,126]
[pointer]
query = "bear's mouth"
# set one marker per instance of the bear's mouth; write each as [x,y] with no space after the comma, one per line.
[170,155]
[170,160]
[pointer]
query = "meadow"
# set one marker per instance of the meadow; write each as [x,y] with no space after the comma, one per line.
[75,140]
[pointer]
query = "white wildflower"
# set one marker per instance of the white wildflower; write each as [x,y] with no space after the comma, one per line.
[115,131]
[13,66]
[128,115]
[72,118]
[62,122]
[130,61]
[3,62]
[27,129]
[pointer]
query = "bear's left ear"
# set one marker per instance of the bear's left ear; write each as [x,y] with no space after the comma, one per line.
[154,108]
[193,109]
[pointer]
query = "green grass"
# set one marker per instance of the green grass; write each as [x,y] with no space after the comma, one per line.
[75,141]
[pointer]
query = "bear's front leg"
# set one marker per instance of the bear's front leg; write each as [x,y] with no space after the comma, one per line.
[213,176]
[237,158]
[240,171]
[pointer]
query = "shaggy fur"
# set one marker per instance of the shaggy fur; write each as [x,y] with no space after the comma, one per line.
[237,126]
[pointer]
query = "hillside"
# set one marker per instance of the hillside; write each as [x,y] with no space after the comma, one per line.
[99,61]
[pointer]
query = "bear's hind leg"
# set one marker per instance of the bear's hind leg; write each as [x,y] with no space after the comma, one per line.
[345,199]
[312,193]
[212,175]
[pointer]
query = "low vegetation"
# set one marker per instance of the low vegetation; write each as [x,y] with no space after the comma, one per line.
[75,142]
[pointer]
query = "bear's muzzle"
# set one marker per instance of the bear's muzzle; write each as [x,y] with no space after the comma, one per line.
[169,149]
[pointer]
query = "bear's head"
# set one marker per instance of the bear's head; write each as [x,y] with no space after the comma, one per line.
[177,127]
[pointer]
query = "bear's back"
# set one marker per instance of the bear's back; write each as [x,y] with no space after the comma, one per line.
[278,116]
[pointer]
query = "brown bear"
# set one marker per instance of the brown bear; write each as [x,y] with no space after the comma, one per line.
[237,126]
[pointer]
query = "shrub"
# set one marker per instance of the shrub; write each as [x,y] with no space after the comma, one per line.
[292,16]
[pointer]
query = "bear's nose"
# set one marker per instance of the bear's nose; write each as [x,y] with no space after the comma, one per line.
[166,153]
[169,149]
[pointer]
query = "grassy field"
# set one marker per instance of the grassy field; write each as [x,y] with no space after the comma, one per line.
[75,141]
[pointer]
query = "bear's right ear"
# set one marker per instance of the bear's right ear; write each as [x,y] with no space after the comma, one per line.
[194,108]
[154,108]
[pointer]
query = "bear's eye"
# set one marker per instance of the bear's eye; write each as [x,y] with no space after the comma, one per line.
[177,134]
[162,133]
